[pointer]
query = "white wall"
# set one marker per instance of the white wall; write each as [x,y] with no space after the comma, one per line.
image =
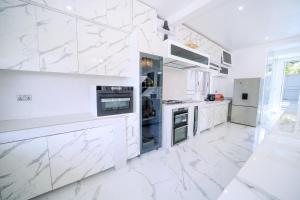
[52,94]
[249,63]
[174,83]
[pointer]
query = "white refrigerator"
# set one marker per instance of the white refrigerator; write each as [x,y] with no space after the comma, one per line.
[246,101]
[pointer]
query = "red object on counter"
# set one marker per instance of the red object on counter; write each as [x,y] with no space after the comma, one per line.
[219,97]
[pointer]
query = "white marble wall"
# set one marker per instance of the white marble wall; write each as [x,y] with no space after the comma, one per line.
[25,170]
[77,155]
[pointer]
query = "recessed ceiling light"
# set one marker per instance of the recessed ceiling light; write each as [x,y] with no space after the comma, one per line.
[240,8]
[69,7]
[267,38]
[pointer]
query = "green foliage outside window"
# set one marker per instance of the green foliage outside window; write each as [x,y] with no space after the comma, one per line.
[292,68]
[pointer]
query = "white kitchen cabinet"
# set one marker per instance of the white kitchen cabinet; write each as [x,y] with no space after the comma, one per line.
[206,118]
[79,154]
[24,169]
[132,136]
[102,51]
[220,114]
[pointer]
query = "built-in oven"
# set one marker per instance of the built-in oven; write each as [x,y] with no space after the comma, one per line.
[180,125]
[112,100]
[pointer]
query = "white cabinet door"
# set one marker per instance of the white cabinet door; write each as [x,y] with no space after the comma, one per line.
[205,118]
[132,136]
[24,169]
[220,114]
[77,155]
[102,51]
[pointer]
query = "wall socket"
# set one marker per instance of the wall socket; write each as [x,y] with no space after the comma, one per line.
[24,97]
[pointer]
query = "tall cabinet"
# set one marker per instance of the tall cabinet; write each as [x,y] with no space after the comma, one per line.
[151,79]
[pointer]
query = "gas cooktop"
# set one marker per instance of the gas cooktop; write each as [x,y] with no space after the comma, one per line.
[172,102]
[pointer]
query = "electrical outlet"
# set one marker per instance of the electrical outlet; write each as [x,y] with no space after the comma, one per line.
[24,97]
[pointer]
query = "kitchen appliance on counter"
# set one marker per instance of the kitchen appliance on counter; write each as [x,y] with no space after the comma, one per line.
[246,101]
[112,100]
[151,74]
[219,97]
[180,125]
[211,97]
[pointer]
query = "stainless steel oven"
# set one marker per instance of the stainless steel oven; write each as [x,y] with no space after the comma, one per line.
[112,100]
[180,125]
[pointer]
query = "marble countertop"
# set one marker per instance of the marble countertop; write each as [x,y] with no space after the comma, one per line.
[272,171]
[22,124]
[196,103]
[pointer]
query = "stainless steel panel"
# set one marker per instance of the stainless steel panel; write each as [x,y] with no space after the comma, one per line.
[249,86]
[244,115]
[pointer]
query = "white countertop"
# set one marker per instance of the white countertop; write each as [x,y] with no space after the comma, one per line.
[273,170]
[21,124]
[22,129]
[196,103]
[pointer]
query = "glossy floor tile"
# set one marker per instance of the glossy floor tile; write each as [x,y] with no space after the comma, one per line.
[197,169]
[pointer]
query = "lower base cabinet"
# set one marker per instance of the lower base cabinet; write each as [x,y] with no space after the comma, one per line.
[212,116]
[205,118]
[220,114]
[24,169]
[132,136]
[77,155]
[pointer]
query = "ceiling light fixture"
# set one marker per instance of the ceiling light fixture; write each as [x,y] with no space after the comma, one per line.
[69,7]
[240,8]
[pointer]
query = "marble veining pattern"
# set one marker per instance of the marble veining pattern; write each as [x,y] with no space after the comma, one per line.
[77,155]
[184,35]
[145,22]
[24,171]
[115,13]
[197,169]
[57,41]
[101,50]
[133,136]
[19,45]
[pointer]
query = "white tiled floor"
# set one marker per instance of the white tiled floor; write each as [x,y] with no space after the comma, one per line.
[197,169]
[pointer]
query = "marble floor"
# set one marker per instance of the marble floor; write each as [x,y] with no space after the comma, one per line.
[196,169]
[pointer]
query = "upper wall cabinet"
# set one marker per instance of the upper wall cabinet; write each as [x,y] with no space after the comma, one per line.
[115,13]
[145,22]
[102,51]
[19,44]
[185,35]
[55,42]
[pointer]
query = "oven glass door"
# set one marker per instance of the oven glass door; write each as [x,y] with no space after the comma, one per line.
[110,104]
[180,134]
[180,119]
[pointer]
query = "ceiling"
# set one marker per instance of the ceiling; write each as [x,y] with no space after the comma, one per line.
[259,21]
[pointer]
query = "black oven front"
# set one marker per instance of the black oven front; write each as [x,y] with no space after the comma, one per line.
[180,125]
[112,100]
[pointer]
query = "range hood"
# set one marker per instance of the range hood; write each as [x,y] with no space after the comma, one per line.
[182,57]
